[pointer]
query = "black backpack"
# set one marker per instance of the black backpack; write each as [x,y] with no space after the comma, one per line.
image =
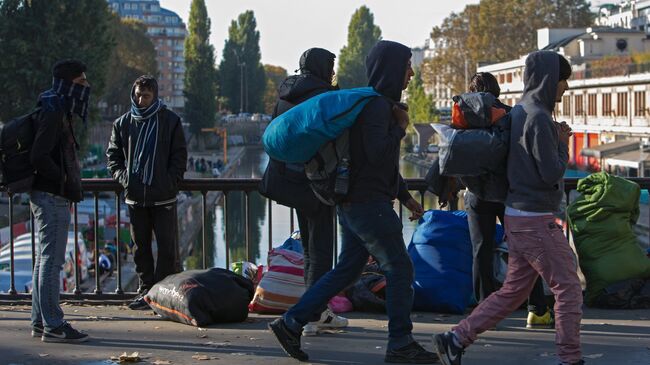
[16,139]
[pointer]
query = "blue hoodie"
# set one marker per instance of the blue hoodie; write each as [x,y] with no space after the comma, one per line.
[537,159]
[375,137]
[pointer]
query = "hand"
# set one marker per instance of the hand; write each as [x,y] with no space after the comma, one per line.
[416,209]
[564,132]
[401,115]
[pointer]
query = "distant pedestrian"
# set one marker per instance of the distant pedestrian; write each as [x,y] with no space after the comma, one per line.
[190,164]
[537,161]
[57,184]
[148,156]
[481,216]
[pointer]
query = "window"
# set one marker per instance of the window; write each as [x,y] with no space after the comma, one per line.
[127,6]
[621,105]
[607,105]
[502,79]
[579,105]
[639,103]
[566,105]
[509,77]
[591,105]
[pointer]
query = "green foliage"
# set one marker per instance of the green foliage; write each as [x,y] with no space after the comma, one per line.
[421,109]
[362,36]
[200,73]
[36,34]
[274,77]
[134,55]
[242,79]
[496,31]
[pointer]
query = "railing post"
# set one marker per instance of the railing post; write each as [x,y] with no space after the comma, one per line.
[98,289]
[77,286]
[247,224]
[225,228]
[291,224]
[118,224]
[204,232]
[12,281]
[270,223]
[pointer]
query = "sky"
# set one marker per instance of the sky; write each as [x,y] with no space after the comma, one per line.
[288,27]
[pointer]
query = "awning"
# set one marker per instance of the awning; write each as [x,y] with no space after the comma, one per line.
[609,149]
[633,159]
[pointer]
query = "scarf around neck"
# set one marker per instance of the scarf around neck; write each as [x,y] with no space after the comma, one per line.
[146,121]
[72,97]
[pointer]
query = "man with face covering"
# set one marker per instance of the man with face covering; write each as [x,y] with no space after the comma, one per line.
[147,155]
[537,160]
[368,221]
[316,227]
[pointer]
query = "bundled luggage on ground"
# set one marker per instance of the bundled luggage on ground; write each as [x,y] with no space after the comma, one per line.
[202,297]
[601,220]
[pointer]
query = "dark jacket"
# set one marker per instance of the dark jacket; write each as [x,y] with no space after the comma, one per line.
[169,165]
[375,137]
[53,155]
[537,159]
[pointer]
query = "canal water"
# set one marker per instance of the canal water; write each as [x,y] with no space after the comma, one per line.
[252,165]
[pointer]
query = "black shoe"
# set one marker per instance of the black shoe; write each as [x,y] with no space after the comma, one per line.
[449,353]
[411,354]
[139,304]
[37,330]
[64,333]
[289,340]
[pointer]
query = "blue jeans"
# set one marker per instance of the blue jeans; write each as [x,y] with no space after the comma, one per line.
[52,217]
[366,229]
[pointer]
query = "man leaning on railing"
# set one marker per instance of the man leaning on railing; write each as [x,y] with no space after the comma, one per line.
[147,155]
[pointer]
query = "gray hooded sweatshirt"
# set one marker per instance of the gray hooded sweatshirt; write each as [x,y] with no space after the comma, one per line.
[537,159]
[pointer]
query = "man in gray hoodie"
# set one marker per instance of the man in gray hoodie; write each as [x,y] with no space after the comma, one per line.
[537,246]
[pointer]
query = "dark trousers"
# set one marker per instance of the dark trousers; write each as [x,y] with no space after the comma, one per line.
[481,216]
[162,222]
[317,236]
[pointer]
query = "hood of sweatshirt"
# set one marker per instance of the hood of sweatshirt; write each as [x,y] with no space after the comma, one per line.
[541,78]
[386,67]
[319,62]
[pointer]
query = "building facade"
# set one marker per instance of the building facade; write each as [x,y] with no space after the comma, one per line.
[167,32]
[600,110]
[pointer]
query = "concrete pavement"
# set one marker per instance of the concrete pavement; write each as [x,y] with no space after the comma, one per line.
[609,337]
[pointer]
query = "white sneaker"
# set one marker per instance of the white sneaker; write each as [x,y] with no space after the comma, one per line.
[328,319]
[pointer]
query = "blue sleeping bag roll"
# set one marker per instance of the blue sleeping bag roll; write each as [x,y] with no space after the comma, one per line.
[441,251]
[297,134]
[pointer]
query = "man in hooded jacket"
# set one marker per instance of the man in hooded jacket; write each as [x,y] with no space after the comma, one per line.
[147,155]
[369,224]
[537,160]
[317,223]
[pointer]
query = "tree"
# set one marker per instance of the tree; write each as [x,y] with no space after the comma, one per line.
[242,80]
[362,36]
[274,77]
[134,55]
[200,73]
[421,109]
[36,34]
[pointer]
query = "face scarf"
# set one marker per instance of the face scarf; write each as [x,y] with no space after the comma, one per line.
[74,97]
[144,154]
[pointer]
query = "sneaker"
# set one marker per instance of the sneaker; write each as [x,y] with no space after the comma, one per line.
[289,340]
[139,304]
[37,330]
[449,353]
[64,333]
[411,354]
[328,319]
[545,321]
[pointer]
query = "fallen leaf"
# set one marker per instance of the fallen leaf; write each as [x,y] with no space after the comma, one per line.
[43,355]
[254,339]
[162,362]
[157,328]
[200,357]
[124,358]
[594,356]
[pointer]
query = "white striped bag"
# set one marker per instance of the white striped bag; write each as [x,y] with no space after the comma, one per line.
[282,285]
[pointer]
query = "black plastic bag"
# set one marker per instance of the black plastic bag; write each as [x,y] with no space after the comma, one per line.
[202,297]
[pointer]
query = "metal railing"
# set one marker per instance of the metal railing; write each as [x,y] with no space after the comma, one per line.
[203,186]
